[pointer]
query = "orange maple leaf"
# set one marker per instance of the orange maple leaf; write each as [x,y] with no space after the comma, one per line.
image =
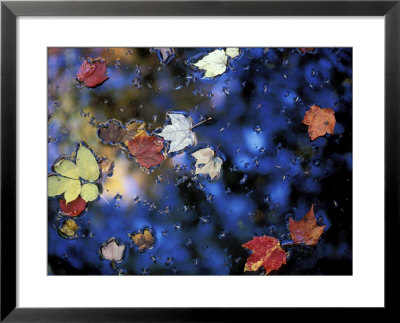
[319,121]
[267,252]
[306,230]
[147,149]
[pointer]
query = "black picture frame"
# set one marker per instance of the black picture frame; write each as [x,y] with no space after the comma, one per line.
[10,10]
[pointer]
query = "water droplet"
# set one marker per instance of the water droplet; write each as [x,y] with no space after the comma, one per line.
[177,226]
[267,198]
[210,197]
[316,162]
[243,179]
[117,197]
[258,129]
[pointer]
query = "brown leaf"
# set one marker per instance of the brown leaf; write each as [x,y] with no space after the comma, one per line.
[111,132]
[306,230]
[92,72]
[319,121]
[147,150]
[144,240]
[267,252]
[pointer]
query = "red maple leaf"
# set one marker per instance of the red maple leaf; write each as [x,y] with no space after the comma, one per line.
[147,149]
[73,208]
[267,252]
[92,72]
[306,230]
[306,49]
[319,121]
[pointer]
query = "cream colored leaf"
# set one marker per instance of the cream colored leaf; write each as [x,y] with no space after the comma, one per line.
[89,192]
[207,163]
[112,251]
[56,185]
[67,168]
[213,64]
[87,164]
[179,132]
[72,191]
[232,52]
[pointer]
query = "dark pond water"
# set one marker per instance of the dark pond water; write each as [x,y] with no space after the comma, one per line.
[271,171]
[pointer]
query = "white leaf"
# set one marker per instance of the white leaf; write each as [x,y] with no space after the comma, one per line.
[207,163]
[213,64]
[112,251]
[179,132]
[232,52]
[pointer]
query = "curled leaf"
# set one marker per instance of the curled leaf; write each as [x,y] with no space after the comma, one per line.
[207,163]
[319,121]
[306,230]
[68,229]
[267,252]
[165,54]
[147,150]
[92,72]
[73,208]
[144,240]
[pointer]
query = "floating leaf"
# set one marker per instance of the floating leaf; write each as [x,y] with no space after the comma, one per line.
[144,240]
[73,208]
[56,185]
[207,163]
[306,49]
[92,72]
[112,251]
[179,132]
[68,229]
[306,230]
[106,166]
[213,64]
[164,54]
[87,164]
[89,192]
[147,150]
[67,168]
[232,52]
[319,121]
[267,252]
[112,132]
[72,191]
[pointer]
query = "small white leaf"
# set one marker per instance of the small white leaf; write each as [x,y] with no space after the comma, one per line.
[213,64]
[207,163]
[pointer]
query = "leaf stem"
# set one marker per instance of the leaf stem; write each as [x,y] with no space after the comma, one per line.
[200,123]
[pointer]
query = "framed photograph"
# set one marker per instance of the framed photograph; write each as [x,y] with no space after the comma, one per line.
[162,158]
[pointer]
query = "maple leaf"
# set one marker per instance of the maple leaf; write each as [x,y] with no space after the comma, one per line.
[207,163]
[92,72]
[112,132]
[73,208]
[179,132]
[306,230]
[319,121]
[144,240]
[306,49]
[267,252]
[146,150]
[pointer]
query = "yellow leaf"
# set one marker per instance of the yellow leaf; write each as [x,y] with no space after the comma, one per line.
[89,192]
[67,168]
[69,228]
[87,164]
[73,188]
[56,185]
[232,52]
